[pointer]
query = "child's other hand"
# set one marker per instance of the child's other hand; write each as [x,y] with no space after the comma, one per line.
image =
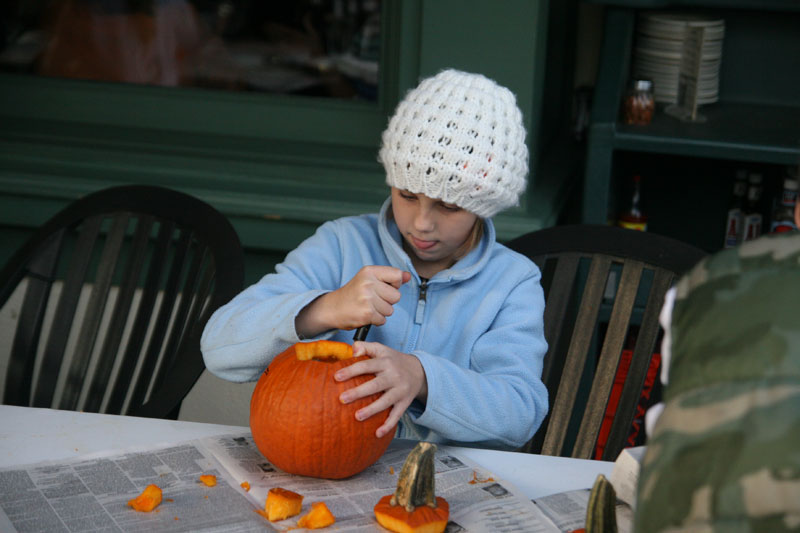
[399,376]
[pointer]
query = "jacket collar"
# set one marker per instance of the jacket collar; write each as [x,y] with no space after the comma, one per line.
[465,268]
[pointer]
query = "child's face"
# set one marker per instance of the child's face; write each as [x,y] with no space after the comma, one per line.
[432,230]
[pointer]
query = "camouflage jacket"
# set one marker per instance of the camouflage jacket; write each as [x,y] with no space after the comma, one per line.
[725,452]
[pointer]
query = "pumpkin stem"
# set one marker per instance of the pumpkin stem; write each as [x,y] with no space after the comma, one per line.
[601,516]
[416,485]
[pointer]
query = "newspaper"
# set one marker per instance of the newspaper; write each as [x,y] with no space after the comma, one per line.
[567,511]
[90,493]
[625,476]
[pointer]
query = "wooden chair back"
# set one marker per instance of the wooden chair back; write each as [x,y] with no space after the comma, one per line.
[115,291]
[604,289]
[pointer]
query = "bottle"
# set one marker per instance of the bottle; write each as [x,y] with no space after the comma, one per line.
[752,213]
[639,103]
[783,215]
[634,218]
[735,224]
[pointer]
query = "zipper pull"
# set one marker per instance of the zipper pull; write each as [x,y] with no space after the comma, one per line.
[423,290]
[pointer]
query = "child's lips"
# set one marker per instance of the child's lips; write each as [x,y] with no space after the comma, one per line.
[422,245]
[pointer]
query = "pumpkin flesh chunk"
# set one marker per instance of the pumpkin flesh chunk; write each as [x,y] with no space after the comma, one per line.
[282,504]
[149,499]
[208,480]
[318,517]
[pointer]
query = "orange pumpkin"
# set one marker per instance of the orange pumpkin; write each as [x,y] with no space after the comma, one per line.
[298,422]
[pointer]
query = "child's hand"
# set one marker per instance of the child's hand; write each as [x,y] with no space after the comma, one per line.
[399,376]
[366,299]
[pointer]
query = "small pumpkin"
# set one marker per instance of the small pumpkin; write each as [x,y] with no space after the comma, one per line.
[298,422]
[318,517]
[414,507]
[149,499]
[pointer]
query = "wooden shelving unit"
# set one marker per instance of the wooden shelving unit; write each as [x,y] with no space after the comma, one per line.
[755,122]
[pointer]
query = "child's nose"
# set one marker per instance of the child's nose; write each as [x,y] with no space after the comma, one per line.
[424,220]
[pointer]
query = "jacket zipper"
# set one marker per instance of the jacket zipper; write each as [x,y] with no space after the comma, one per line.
[411,345]
[423,291]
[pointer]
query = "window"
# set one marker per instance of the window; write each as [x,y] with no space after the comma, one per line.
[324,48]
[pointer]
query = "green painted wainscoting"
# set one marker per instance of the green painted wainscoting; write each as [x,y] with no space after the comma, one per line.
[277,166]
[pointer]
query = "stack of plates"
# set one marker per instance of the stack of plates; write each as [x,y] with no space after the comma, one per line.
[657,53]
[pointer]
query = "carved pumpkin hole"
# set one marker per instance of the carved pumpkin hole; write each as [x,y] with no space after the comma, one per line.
[324,351]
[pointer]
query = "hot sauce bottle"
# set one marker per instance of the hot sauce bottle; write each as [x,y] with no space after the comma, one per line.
[734,227]
[783,214]
[752,214]
[634,218]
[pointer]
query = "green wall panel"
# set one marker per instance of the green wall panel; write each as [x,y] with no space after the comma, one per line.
[502,40]
[277,166]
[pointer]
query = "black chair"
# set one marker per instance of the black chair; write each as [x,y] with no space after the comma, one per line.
[116,289]
[604,288]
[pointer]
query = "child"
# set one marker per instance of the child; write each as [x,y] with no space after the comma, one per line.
[457,340]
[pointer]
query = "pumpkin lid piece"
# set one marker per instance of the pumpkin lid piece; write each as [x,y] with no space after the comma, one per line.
[414,507]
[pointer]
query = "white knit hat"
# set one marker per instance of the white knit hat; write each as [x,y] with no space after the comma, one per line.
[458,137]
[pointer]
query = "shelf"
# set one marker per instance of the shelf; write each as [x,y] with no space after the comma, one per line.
[747,132]
[757,119]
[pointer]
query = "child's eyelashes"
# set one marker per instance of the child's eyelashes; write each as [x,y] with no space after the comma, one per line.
[412,197]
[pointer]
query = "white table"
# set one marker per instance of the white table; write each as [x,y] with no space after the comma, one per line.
[29,435]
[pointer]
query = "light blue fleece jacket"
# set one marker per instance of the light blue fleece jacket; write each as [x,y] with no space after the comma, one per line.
[477,329]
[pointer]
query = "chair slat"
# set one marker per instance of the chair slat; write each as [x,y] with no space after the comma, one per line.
[165,312]
[119,316]
[41,271]
[193,317]
[125,379]
[180,322]
[558,284]
[576,356]
[90,324]
[640,363]
[65,313]
[557,302]
[609,359]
